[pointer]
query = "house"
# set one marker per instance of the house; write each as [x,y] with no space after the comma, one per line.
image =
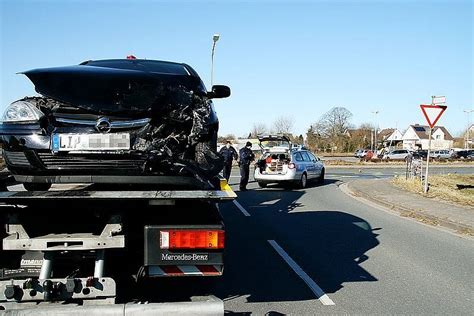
[390,137]
[416,137]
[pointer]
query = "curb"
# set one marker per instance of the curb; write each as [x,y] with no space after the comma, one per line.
[462,229]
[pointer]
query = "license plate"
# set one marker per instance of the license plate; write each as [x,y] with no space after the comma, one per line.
[90,142]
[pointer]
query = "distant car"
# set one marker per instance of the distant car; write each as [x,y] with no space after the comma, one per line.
[400,154]
[358,152]
[463,154]
[441,154]
[470,157]
[419,154]
[280,163]
[363,153]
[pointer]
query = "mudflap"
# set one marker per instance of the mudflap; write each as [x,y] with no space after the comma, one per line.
[201,305]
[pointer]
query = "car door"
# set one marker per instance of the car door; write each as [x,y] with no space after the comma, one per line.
[308,164]
[318,165]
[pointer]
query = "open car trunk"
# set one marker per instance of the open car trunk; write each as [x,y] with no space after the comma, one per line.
[274,163]
[276,154]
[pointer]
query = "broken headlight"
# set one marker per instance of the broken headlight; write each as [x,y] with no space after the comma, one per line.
[21,112]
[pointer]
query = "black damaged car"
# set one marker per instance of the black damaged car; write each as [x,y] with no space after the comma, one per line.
[113,121]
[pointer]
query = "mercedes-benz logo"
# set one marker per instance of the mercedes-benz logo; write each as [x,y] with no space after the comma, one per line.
[103,125]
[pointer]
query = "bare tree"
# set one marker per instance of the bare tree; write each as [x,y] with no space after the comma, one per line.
[258,129]
[333,127]
[283,125]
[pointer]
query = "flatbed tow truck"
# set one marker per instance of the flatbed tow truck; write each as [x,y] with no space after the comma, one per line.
[74,251]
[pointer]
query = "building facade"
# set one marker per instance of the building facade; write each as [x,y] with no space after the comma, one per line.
[416,137]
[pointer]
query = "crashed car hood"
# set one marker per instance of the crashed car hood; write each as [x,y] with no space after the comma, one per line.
[113,90]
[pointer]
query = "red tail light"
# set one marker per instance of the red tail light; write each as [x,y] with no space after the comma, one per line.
[192,239]
[291,165]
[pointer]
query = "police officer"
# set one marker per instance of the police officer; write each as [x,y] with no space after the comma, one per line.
[246,157]
[229,154]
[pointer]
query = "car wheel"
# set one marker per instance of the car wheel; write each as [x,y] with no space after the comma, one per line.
[37,186]
[262,184]
[321,177]
[208,160]
[303,181]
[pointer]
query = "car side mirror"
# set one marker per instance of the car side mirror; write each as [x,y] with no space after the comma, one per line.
[219,92]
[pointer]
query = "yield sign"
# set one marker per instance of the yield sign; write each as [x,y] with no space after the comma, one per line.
[432,113]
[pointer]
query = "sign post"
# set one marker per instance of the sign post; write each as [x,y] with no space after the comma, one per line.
[432,113]
[425,188]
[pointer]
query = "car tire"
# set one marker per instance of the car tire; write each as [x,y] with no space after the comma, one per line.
[36,186]
[262,184]
[303,181]
[208,160]
[321,176]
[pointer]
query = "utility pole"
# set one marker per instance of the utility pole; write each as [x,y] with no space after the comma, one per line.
[468,131]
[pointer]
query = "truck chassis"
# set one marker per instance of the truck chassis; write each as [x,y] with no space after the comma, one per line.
[33,288]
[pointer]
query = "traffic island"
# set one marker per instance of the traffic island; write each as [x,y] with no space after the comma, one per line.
[432,211]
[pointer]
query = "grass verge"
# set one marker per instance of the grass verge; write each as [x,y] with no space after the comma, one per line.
[442,187]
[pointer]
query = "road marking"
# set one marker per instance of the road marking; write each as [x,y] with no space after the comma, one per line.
[322,297]
[241,208]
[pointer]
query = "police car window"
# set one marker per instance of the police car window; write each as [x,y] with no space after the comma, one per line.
[305,156]
[313,157]
[298,157]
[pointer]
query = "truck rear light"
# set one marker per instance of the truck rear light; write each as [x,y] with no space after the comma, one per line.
[291,165]
[192,239]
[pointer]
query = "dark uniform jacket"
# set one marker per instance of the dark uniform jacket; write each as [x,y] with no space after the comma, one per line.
[246,156]
[228,154]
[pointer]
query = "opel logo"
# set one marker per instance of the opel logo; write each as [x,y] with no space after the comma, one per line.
[103,125]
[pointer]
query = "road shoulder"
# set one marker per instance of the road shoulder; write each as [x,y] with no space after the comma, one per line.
[429,211]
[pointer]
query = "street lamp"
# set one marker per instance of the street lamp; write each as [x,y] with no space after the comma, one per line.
[215,38]
[375,131]
[468,114]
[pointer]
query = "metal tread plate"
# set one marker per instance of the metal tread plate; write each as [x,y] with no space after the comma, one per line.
[18,196]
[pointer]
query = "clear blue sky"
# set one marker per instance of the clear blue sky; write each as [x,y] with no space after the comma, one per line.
[295,59]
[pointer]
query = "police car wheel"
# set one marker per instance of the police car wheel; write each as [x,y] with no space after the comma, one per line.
[303,181]
[321,177]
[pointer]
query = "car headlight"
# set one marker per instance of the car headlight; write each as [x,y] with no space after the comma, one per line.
[21,112]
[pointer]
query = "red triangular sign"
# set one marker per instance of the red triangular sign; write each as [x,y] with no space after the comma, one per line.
[432,113]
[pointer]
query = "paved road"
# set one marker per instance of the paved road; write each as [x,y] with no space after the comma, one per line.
[284,248]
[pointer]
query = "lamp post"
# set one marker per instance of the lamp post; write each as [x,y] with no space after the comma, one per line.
[215,38]
[375,131]
[468,132]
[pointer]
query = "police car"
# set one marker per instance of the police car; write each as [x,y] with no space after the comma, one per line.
[285,164]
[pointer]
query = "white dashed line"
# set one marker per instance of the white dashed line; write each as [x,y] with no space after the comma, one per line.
[322,297]
[241,208]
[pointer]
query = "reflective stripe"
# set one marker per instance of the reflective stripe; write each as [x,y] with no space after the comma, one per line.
[185,270]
